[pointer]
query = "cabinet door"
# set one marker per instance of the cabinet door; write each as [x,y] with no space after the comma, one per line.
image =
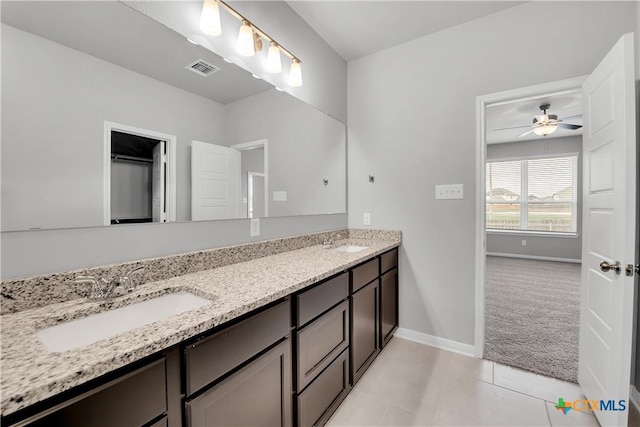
[388,305]
[364,332]
[259,394]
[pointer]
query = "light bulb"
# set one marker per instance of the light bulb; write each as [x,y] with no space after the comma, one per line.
[274,64]
[545,129]
[245,44]
[295,73]
[210,18]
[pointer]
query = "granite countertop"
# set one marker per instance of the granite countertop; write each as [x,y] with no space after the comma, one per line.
[29,373]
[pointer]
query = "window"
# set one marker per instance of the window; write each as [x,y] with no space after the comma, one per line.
[537,194]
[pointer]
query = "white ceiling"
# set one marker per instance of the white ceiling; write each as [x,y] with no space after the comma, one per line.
[355,28]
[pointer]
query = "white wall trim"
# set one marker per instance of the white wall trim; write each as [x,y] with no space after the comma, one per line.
[433,341]
[540,258]
[171,184]
[506,97]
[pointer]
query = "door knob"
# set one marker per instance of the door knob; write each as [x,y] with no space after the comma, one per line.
[605,266]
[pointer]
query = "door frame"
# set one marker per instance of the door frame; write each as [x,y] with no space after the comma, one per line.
[264,143]
[170,183]
[482,102]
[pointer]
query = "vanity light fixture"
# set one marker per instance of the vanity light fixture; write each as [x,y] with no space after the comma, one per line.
[274,63]
[245,43]
[210,18]
[250,39]
[295,73]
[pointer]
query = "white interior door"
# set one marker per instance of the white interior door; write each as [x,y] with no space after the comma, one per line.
[157,185]
[606,322]
[215,181]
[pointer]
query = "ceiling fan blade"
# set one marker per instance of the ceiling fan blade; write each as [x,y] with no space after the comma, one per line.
[572,117]
[569,126]
[515,127]
[526,133]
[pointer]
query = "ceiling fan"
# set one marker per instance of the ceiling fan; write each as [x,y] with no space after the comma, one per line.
[545,124]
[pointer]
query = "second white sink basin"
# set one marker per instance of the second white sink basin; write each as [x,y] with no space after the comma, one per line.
[350,248]
[87,330]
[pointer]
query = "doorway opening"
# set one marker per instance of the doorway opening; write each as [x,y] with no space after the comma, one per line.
[139,175]
[254,170]
[528,265]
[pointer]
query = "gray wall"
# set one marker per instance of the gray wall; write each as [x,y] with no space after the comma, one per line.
[54,104]
[568,248]
[412,124]
[310,147]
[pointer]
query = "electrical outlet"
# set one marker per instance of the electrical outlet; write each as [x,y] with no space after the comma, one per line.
[366,219]
[524,243]
[254,227]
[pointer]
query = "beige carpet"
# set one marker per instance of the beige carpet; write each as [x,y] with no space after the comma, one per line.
[532,315]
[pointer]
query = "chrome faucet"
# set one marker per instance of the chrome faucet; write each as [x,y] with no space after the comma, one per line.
[329,240]
[104,289]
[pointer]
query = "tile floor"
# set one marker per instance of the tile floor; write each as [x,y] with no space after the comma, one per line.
[411,384]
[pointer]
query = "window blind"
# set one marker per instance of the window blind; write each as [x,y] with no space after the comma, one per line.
[532,194]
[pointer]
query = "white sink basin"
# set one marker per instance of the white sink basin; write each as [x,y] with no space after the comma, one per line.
[87,330]
[350,248]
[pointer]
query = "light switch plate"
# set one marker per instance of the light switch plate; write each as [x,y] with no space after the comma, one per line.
[279,196]
[366,219]
[254,227]
[449,191]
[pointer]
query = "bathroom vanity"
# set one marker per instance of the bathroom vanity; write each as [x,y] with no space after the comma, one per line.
[282,342]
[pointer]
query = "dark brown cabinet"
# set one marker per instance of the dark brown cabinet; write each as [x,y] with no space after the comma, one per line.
[241,375]
[322,397]
[290,363]
[259,394]
[364,332]
[388,295]
[133,399]
[374,309]
[322,355]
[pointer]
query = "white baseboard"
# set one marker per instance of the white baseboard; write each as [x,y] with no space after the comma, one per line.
[540,258]
[634,397]
[433,341]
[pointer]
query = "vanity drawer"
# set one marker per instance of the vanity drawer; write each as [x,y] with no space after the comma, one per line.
[364,274]
[321,298]
[318,402]
[320,342]
[210,358]
[388,260]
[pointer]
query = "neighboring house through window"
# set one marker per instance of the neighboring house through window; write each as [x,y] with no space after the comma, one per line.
[535,194]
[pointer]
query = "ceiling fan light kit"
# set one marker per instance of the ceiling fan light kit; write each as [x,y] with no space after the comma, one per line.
[545,124]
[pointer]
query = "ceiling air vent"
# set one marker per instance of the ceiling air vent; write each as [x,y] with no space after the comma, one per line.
[202,68]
